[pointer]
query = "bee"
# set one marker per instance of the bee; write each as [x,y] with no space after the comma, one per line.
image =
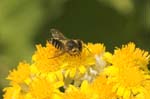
[71,46]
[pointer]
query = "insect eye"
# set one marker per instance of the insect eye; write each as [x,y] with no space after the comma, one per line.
[71,44]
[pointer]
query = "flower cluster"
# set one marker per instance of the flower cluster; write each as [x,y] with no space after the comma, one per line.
[94,74]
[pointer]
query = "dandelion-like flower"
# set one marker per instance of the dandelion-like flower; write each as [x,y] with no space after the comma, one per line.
[83,92]
[41,58]
[87,59]
[20,79]
[70,64]
[43,88]
[15,92]
[127,81]
[94,74]
[102,88]
[23,69]
[132,56]
[126,74]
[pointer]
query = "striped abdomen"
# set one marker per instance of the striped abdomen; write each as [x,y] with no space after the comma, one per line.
[57,44]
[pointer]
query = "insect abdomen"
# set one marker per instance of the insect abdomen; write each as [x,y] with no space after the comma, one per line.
[57,44]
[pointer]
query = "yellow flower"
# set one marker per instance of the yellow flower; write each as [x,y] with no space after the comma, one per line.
[42,58]
[42,88]
[96,49]
[127,81]
[94,74]
[83,92]
[145,92]
[15,92]
[84,61]
[71,64]
[132,56]
[128,72]
[102,88]
[21,74]
[20,80]
[108,57]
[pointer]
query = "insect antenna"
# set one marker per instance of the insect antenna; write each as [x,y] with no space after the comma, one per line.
[87,48]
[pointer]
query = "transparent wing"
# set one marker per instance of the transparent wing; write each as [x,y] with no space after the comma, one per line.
[56,34]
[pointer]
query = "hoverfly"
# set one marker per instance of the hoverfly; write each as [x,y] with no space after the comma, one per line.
[71,46]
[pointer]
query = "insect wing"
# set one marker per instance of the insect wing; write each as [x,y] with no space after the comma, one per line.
[57,34]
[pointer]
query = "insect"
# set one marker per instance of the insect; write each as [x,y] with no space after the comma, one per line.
[71,46]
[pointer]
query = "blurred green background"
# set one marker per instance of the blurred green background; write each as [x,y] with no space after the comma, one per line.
[25,23]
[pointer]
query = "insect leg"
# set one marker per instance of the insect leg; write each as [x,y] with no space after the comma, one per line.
[59,53]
